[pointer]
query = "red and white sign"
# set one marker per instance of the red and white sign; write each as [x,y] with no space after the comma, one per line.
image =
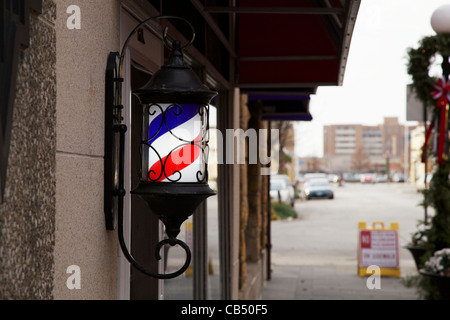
[378,247]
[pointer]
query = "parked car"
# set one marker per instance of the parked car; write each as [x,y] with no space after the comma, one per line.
[280,191]
[314,175]
[290,186]
[333,178]
[367,178]
[398,177]
[420,182]
[318,188]
[351,177]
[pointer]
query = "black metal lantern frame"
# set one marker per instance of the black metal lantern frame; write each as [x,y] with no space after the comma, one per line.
[174,181]
[182,151]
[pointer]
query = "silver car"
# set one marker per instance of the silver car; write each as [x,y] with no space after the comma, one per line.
[318,188]
[281,191]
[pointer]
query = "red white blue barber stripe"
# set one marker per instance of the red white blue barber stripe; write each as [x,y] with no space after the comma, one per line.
[175,159]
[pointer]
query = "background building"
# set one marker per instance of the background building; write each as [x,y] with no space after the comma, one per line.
[365,148]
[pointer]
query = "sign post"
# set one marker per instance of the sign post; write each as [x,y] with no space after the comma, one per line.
[190,243]
[378,246]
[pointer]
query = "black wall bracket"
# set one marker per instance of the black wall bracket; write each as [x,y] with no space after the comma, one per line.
[113,131]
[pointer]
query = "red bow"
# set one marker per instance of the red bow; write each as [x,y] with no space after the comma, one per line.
[442,95]
[441,92]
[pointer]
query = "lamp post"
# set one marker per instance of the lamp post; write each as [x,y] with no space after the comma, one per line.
[174,146]
[440,22]
[440,19]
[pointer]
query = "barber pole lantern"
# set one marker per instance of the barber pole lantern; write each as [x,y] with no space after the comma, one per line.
[174,142]
[175,148]
[174,145]
[174,105]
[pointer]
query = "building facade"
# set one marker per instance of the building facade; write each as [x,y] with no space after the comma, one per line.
[53,242]
[383,145]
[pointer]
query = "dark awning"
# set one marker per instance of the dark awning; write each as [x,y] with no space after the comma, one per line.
[280,47]
[291,45]
[283,107]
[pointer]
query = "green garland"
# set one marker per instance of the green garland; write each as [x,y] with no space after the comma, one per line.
[438,195]
[419,64]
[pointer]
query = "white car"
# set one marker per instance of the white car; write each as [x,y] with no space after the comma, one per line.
[290,186]
[318,188]
[280,191]
[315,175]
[420,182]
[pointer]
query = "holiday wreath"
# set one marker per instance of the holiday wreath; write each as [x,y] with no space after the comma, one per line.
[434,93]
[431,91]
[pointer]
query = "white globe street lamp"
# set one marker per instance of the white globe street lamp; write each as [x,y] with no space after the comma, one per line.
[440,19]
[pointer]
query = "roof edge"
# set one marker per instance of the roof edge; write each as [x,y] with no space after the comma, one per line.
[352,13]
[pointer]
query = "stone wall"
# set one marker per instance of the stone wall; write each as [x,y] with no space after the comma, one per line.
[27,216]
[243,199]
[253,212]
[81,237]
[52,215]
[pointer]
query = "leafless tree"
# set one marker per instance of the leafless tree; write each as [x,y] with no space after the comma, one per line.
[284,128]
[360,160]
[314,164]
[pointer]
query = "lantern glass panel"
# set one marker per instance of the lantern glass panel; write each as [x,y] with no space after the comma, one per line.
[175,143]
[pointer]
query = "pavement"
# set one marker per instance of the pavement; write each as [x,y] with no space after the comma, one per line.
[314,257]
[333,282]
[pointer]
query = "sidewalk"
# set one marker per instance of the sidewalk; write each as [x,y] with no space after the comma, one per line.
[314,257]
[325,282]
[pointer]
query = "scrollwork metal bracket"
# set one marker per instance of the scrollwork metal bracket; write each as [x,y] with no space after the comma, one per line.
[114,165]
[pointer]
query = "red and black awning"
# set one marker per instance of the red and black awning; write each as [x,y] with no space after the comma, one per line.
[279,47]
[283,107]
[291,46]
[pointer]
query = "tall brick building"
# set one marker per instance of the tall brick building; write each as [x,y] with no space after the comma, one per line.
[380,144]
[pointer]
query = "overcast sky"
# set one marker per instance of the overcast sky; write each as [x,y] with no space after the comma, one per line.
[375,78]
